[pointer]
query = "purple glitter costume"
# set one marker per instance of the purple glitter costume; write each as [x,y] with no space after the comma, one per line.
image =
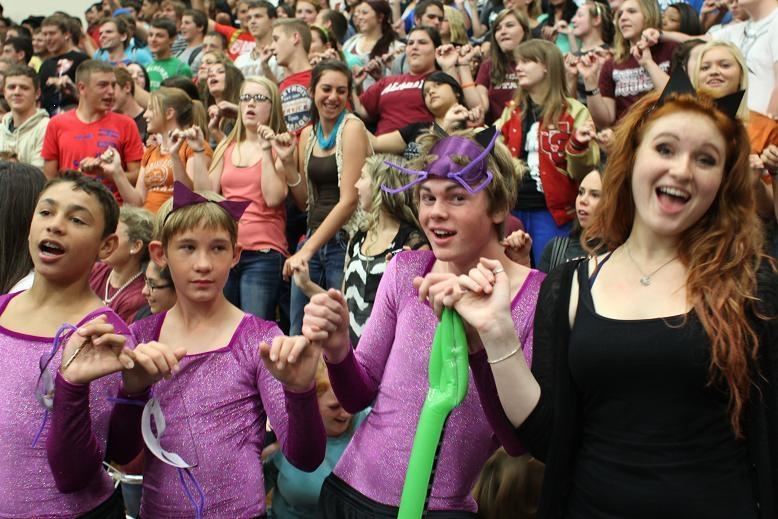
[216,408]
[31,485]
[389,371]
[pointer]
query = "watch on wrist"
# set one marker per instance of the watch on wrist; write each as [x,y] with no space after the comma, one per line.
[592,92]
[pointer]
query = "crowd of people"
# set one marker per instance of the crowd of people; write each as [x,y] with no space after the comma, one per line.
[230,229]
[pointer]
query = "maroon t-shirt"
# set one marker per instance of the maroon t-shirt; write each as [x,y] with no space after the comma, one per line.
[499,95]
[395,102]
[127,303]
[626,82]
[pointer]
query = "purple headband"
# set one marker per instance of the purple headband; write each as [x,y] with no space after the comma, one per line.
[445,167]
[183,196]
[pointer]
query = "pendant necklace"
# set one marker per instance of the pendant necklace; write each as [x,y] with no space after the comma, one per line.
[645,279]
[108,300]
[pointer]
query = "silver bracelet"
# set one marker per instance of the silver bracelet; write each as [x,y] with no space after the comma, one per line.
[297,183]
[504,357]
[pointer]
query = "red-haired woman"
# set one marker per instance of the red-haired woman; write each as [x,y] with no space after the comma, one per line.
[659,399]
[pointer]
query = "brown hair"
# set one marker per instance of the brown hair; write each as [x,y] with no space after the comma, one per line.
[500,60]
[293,25]
[92,66]
[722,249]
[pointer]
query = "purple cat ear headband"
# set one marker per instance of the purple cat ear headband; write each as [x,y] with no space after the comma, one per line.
[183,196]
[473,177]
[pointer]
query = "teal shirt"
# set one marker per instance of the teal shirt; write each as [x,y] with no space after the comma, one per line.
[296,492]
[160,70]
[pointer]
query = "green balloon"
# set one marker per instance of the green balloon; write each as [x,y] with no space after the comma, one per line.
[448,379]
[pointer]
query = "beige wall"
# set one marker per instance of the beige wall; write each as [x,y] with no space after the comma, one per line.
[18,10]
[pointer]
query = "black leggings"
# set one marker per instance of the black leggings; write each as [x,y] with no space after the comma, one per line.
[339,501]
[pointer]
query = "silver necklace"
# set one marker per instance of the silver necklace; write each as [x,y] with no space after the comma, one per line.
[108,300]
[645,279]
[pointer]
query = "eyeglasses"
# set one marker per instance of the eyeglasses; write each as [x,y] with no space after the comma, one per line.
[257,98]
[153,286]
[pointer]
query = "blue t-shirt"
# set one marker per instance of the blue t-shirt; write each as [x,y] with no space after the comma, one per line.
[296,492]
[140,55]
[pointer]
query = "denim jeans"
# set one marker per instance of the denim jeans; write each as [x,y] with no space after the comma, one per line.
[254,284]
[326,270]
[540,225]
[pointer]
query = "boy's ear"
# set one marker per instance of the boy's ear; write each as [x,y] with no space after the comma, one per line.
[236,250]
[108,246]
[157,253]
[500,216]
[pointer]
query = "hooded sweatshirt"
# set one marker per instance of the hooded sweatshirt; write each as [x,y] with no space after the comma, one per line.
[26,141]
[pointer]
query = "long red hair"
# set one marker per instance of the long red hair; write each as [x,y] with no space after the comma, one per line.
[723,249]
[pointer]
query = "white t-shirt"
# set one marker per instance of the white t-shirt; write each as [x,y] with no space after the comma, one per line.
[758,41]
[253,67]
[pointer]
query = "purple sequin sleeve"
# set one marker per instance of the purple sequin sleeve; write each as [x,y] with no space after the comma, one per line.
[75,455]
[355,380]
[490,402]
[294,417]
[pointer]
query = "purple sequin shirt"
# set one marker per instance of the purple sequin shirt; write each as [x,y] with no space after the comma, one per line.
[389,371]
[30,484]
[216,408]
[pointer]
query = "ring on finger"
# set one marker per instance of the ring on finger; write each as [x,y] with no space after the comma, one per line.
[498,270]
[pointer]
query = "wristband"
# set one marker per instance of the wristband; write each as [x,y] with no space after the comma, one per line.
[593,92]
[265,148]
[467,85]
[296,183]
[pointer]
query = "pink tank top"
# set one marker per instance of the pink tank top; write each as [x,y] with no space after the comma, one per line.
[261,227]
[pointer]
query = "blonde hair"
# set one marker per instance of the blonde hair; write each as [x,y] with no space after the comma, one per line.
[742,111]
[652,19]
[399,206]
[205,214]
[554,101]
[456,23]
[188,112]
[238,133]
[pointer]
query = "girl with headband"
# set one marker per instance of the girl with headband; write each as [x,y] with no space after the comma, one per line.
[464,195]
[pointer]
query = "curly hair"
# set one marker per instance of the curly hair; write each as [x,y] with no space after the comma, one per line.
[722,249]
[399,206]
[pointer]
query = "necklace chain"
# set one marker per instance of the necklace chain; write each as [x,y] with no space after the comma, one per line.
[108,300]
[645,279]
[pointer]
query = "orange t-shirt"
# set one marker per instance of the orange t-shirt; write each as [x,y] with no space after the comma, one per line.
[158,173]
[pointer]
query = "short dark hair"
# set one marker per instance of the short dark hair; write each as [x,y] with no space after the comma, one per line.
[21,45]
[422,7]
[338,23]
[23,31]
[431,32]
[24,70]
[199,18]
[95,188]
[219,35]
[59,21]
[166,25]
[269,8]
[121,27]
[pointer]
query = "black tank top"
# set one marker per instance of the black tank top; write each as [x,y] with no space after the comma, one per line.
[656,440]
[323,172]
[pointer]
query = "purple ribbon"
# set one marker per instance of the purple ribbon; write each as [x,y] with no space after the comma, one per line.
[476,173]
[183,196]
[44,387]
